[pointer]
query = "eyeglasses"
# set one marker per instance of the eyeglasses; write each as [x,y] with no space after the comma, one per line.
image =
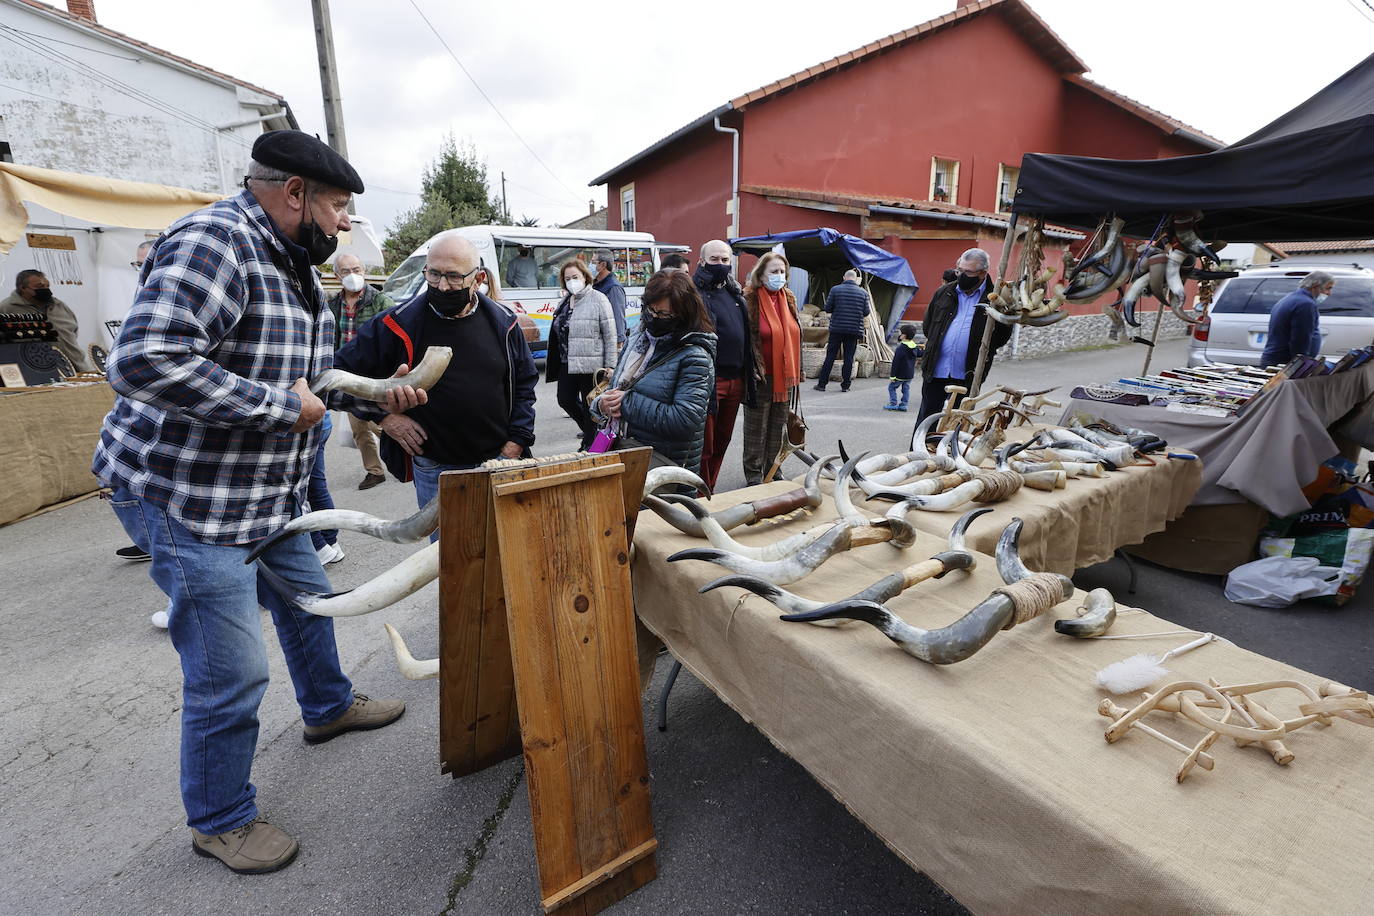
[136,265]
[453,277]
[345,271]
[655,313]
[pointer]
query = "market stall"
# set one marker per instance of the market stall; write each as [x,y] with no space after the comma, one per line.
[991,775]
[50,435]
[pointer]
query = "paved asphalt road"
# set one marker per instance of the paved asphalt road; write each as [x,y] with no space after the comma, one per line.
[89,722]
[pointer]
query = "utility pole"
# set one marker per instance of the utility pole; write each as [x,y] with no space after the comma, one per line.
[505,204]
[329,80]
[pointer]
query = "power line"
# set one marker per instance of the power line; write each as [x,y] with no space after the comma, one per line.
[484,95]
[1361,10]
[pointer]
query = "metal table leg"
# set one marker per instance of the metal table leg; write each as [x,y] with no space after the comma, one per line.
[1130,567]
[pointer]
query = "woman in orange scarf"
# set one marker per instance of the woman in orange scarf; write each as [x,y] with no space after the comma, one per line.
[776,338]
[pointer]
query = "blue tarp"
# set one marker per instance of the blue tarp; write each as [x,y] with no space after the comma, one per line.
[857,252]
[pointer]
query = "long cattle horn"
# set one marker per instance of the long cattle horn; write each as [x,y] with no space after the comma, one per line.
[1028,595]
[956,556]
[807,559]
[414,527]
[809,496]
[658,478]
[425,373]
[412,668]
[406,578]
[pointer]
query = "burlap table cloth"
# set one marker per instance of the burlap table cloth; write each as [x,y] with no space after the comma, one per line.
[992,775]
[49,437]
[1080,525]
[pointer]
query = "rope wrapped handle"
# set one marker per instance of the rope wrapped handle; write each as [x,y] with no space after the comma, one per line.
[1032,596]
[998,485]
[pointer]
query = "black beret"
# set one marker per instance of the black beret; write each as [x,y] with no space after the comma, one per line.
[310,157]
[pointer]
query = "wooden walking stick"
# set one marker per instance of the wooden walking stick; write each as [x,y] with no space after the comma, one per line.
[986,343]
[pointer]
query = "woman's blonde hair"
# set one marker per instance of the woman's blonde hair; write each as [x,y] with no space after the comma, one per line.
[582,268]
[755,280]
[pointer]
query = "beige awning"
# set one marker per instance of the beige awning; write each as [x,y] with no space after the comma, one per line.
[100,201]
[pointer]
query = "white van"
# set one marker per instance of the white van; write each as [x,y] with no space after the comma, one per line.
[532,288]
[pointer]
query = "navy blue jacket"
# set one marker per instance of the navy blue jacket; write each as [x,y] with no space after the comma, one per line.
[666,405]
[847,304]
[387,341]
[1293,329]
[903,362]
[610,287]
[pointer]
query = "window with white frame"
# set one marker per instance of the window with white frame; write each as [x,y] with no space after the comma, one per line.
[944,179]
[627,208]
[1007,178]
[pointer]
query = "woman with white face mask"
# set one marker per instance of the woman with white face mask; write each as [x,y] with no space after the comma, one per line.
[775,335]
[582,339]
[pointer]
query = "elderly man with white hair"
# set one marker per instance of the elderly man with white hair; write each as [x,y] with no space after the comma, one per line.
[482,407]
[953,327]
[848,303]
[1294,320]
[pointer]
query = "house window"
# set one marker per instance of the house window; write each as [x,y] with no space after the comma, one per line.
[627,208]
[1008,177]
[944,180]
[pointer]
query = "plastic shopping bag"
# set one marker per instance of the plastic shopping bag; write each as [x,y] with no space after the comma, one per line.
[1281,581]
[343,430]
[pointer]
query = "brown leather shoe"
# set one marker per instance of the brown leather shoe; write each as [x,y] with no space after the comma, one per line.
[255,848]
[365,713]
[371,480]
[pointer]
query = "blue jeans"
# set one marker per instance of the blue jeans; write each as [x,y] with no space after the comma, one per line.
[317,490]
[426,474]
[216,628]
[892,387]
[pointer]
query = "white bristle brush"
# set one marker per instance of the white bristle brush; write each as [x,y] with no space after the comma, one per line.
[1140,671]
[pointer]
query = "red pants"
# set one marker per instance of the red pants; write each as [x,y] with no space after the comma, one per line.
[720,426]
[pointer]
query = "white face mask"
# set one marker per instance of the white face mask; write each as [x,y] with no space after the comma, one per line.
[775,282]
[1320,297]
[575,285]
[353,283]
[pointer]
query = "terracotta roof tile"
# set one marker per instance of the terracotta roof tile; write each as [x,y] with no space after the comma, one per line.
[1322,247]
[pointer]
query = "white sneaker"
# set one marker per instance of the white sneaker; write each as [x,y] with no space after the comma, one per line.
[159,619]
[330,553]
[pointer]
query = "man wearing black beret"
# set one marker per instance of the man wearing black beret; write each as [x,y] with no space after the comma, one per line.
[208,449]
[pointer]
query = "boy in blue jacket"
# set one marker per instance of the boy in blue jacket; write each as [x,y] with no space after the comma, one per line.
[903,367]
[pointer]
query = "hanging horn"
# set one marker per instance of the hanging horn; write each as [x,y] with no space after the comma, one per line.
[411,668]
[402,580]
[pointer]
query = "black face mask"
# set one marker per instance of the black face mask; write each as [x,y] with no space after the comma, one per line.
[43,295]
[968,284]
[449,302]
[317,245]
[663,327]
[716,273]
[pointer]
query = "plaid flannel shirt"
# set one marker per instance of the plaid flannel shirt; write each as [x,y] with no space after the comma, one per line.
[219,331]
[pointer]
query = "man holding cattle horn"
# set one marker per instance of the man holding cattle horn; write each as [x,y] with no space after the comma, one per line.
[208,449]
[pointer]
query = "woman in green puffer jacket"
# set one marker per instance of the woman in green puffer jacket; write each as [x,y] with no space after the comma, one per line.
[662,386]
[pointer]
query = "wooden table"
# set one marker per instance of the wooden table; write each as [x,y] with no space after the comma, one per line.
[50,434]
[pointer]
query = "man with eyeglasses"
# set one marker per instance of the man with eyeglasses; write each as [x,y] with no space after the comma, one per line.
[953,327]
[482,407]
[354,306]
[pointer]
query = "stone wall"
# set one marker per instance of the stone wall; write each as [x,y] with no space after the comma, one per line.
[1080,331]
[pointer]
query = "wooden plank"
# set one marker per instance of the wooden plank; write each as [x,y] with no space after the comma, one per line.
[636,464]
[600,876]
[464,498]
[497,721]
[555,480]
[571,624]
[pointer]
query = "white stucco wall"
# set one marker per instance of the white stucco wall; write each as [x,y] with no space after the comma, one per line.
[58,115]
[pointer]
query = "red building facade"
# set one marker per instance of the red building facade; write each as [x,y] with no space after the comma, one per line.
[912,142]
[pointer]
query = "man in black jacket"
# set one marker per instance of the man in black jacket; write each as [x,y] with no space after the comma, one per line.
[953,327]
[847,304]
[734,353]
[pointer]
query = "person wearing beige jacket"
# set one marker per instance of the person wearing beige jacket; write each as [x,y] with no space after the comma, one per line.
[582,339]
[33,294]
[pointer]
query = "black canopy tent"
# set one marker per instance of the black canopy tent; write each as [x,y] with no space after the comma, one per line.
[1308,175]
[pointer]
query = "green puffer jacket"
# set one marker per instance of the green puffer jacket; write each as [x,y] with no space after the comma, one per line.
[666,405]
[372,304]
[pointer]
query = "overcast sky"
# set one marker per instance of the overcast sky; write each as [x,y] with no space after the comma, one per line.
[587,86]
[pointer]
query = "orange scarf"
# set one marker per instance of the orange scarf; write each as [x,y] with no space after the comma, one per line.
[779,341]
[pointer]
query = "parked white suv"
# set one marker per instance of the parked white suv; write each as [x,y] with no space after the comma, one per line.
[1237,327]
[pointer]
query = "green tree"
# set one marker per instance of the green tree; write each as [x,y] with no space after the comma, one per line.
[415,227]
[460,178]
[528,221]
